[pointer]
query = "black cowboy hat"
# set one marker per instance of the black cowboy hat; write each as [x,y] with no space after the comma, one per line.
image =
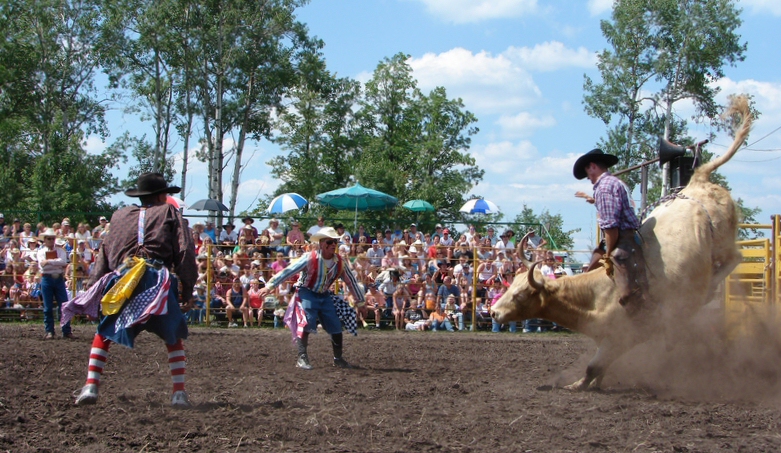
[595,155]
[251,220]
[229,225]
[150,184]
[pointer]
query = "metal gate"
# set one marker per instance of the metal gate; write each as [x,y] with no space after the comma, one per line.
[753,287]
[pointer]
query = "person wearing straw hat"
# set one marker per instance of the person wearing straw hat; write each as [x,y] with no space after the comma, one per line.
[52,261]
[622,252]
[146,240]
[319,270]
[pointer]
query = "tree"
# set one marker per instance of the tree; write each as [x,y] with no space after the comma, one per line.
[669,49]
[415,145]
[50,106]
[552,228]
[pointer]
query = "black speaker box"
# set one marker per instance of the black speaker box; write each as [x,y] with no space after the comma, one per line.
[681,171]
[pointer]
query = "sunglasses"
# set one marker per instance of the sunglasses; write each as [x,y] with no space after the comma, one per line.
[330,241]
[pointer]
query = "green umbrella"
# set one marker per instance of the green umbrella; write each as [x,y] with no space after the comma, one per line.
[419,206]
[357,198]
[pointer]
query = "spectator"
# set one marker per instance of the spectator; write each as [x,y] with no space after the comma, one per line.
[53,261]
[392,289]
[446,240]
[491,236]
[195,315]
[375,254]
[316,227]
[102,224]
[437,232]
[229,235]
[26,234]
[415,318]
[503,244]
[295,235]
[361,234]
[414,233]
[255,301]
[438,320]
[65,227]
[251,231]
[470,234]
[276,234]
[210,231]
[535,244]
[236,300]
[82,232]
[95,240]
[387,241]
[446,290]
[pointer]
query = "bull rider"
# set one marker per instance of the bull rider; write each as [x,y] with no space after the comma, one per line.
[621,249]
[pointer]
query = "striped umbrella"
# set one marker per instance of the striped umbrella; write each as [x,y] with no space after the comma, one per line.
[286,202]
[479,206]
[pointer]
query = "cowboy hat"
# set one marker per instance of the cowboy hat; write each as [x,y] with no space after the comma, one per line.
[595,155]
[325,233]
[150,184]
[245,219]
[49,232]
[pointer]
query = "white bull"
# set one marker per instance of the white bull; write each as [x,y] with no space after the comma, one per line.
[689,247]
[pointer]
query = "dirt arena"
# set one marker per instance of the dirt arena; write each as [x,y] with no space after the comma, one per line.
[413,391]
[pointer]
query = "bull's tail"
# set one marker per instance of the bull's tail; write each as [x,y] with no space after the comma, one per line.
[740,107]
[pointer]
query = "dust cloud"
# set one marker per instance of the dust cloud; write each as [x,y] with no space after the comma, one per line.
[708,359]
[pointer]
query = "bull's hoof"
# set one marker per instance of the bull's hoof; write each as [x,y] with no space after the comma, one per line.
[581,385]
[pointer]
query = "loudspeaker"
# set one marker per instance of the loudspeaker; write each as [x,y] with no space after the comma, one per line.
[681,170]
[669,151]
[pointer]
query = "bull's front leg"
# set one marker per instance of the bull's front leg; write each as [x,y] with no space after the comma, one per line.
[607,353]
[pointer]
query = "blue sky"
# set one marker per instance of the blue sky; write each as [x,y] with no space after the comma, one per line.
[519,66]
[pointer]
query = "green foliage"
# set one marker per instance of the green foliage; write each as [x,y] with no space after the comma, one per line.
[394,139]
[552,228]
[661,52]
[48,107]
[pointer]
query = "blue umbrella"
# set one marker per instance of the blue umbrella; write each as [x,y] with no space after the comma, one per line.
[479,206]
[357,198]
[286,202]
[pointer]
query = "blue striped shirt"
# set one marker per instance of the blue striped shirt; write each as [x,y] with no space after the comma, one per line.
[612,202]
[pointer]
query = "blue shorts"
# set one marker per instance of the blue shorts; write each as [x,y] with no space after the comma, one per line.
[319,307]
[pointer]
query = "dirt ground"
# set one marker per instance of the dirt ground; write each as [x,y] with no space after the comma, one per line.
[413,391]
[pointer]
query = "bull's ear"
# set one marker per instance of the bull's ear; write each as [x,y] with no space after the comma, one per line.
[539,286]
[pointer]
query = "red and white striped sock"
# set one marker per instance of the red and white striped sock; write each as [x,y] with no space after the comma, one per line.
[97,359]
[177,363]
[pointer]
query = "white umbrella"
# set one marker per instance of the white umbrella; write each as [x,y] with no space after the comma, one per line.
[479,206]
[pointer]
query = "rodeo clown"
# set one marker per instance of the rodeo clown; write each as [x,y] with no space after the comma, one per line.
[314,302]
[133,286]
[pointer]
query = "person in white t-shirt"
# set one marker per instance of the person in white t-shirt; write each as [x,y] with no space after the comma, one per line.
[316,227]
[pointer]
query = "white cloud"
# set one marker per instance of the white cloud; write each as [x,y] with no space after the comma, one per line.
[464,11]
[486,83]
[94,145]
[504,158]
[524,124]
[551,56]
[760,6]
[597,7]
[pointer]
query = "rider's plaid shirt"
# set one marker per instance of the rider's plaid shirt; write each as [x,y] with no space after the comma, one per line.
[612,202]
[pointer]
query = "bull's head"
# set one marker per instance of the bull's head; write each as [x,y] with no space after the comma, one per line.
[525,298]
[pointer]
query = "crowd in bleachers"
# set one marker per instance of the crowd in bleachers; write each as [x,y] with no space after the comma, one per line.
[413,280]
[20,276]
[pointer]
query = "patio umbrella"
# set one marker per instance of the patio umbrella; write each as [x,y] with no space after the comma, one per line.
[357,198]
[418,206]
[286,202]
[209,205]
[479,206]
[175,202]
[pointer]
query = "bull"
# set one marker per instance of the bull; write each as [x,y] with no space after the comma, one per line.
[689,246]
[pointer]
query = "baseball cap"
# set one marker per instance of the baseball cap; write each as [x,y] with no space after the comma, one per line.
[102,219]
[439,225]
[445,231]
[374,241]
[412,225]
[388,230]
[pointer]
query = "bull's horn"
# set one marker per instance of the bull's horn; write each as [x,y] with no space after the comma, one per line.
[539,286]
[522,252]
